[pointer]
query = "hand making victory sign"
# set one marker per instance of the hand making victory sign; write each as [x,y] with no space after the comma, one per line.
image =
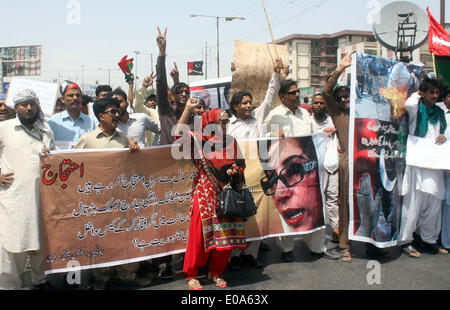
[161,42]
[175,74]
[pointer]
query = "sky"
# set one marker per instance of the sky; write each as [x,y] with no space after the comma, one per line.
[78,45]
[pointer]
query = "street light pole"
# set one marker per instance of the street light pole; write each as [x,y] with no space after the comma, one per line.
[218,61]
[109,74]
[227,18]
[82,77]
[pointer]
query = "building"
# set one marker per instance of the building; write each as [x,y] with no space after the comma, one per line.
[312,58]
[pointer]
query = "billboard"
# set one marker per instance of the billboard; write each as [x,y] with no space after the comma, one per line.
[21,60]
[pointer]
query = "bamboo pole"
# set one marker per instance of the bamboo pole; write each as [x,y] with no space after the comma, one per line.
[270,28]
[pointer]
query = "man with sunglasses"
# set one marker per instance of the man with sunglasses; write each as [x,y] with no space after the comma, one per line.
[107,111]
[289,120]
[169,115]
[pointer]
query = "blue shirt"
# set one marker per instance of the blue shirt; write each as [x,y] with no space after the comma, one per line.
[66,129]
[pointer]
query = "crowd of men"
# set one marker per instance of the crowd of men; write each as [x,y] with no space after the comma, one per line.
[116,119]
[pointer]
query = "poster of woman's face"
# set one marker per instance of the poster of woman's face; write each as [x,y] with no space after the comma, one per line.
[293,183]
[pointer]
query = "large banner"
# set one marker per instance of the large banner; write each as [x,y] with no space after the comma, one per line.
[254,64]
[46,92]
[109,207]
[377,152]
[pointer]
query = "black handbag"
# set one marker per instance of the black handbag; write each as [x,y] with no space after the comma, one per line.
[236,202]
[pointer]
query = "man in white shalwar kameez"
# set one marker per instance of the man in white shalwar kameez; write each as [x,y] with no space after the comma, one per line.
[21,141]
[423,189]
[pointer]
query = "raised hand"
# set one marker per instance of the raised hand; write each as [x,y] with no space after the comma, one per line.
[346,61]
[278,66]
[149,80]
[175,74]
[161,41]
[192,103]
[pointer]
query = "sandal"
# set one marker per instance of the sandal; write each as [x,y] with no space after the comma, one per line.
[411,251]
[346,256]
[194,285]
[443,251]
[218,281]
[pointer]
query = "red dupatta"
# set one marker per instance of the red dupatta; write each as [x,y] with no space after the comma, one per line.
[220,151]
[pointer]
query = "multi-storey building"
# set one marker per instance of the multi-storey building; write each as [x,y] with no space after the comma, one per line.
[312,58]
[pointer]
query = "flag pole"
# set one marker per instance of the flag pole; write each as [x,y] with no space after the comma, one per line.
[188,72]
[434,65]
[270,29]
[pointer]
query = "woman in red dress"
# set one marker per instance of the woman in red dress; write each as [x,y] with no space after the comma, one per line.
[211,237]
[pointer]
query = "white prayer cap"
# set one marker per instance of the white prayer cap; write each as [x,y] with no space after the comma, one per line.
[25,95]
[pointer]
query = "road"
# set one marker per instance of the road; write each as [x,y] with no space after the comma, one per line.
[397,272]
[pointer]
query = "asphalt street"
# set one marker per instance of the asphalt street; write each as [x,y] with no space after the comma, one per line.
[396,272]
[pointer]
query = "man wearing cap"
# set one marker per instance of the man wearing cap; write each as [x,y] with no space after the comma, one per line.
[71,124]
[22,139]
[6,112]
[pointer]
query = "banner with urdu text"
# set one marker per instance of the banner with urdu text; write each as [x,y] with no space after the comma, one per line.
[109,207]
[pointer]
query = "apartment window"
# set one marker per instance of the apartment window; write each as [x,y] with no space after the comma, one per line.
[370,52]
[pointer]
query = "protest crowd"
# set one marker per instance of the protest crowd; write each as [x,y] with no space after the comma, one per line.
[134,120]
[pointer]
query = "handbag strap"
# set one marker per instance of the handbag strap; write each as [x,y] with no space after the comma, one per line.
[205,166]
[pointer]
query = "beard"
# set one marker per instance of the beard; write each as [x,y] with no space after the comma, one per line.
[28,121]
[320,114]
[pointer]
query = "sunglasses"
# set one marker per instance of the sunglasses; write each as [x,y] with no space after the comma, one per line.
[291,175]
[181,91]
[346,96]
[113,112]
[294,92]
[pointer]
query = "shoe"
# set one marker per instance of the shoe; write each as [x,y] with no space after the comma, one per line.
[235,263]
[250,261]
[411,251]
[331,254]
[46,286]
[443,251]
[166,273]
[346,255]
[264,247]
[288,257]
[328,254]
[194,285]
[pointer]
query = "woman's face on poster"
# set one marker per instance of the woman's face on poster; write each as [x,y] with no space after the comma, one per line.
[294,186]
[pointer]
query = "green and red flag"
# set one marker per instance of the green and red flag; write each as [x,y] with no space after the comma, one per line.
[195,68]
[439,42]
[126,65]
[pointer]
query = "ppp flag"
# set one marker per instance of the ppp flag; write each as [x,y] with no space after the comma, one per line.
[439,42]
[438,37]
[195,68]
[126,65]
